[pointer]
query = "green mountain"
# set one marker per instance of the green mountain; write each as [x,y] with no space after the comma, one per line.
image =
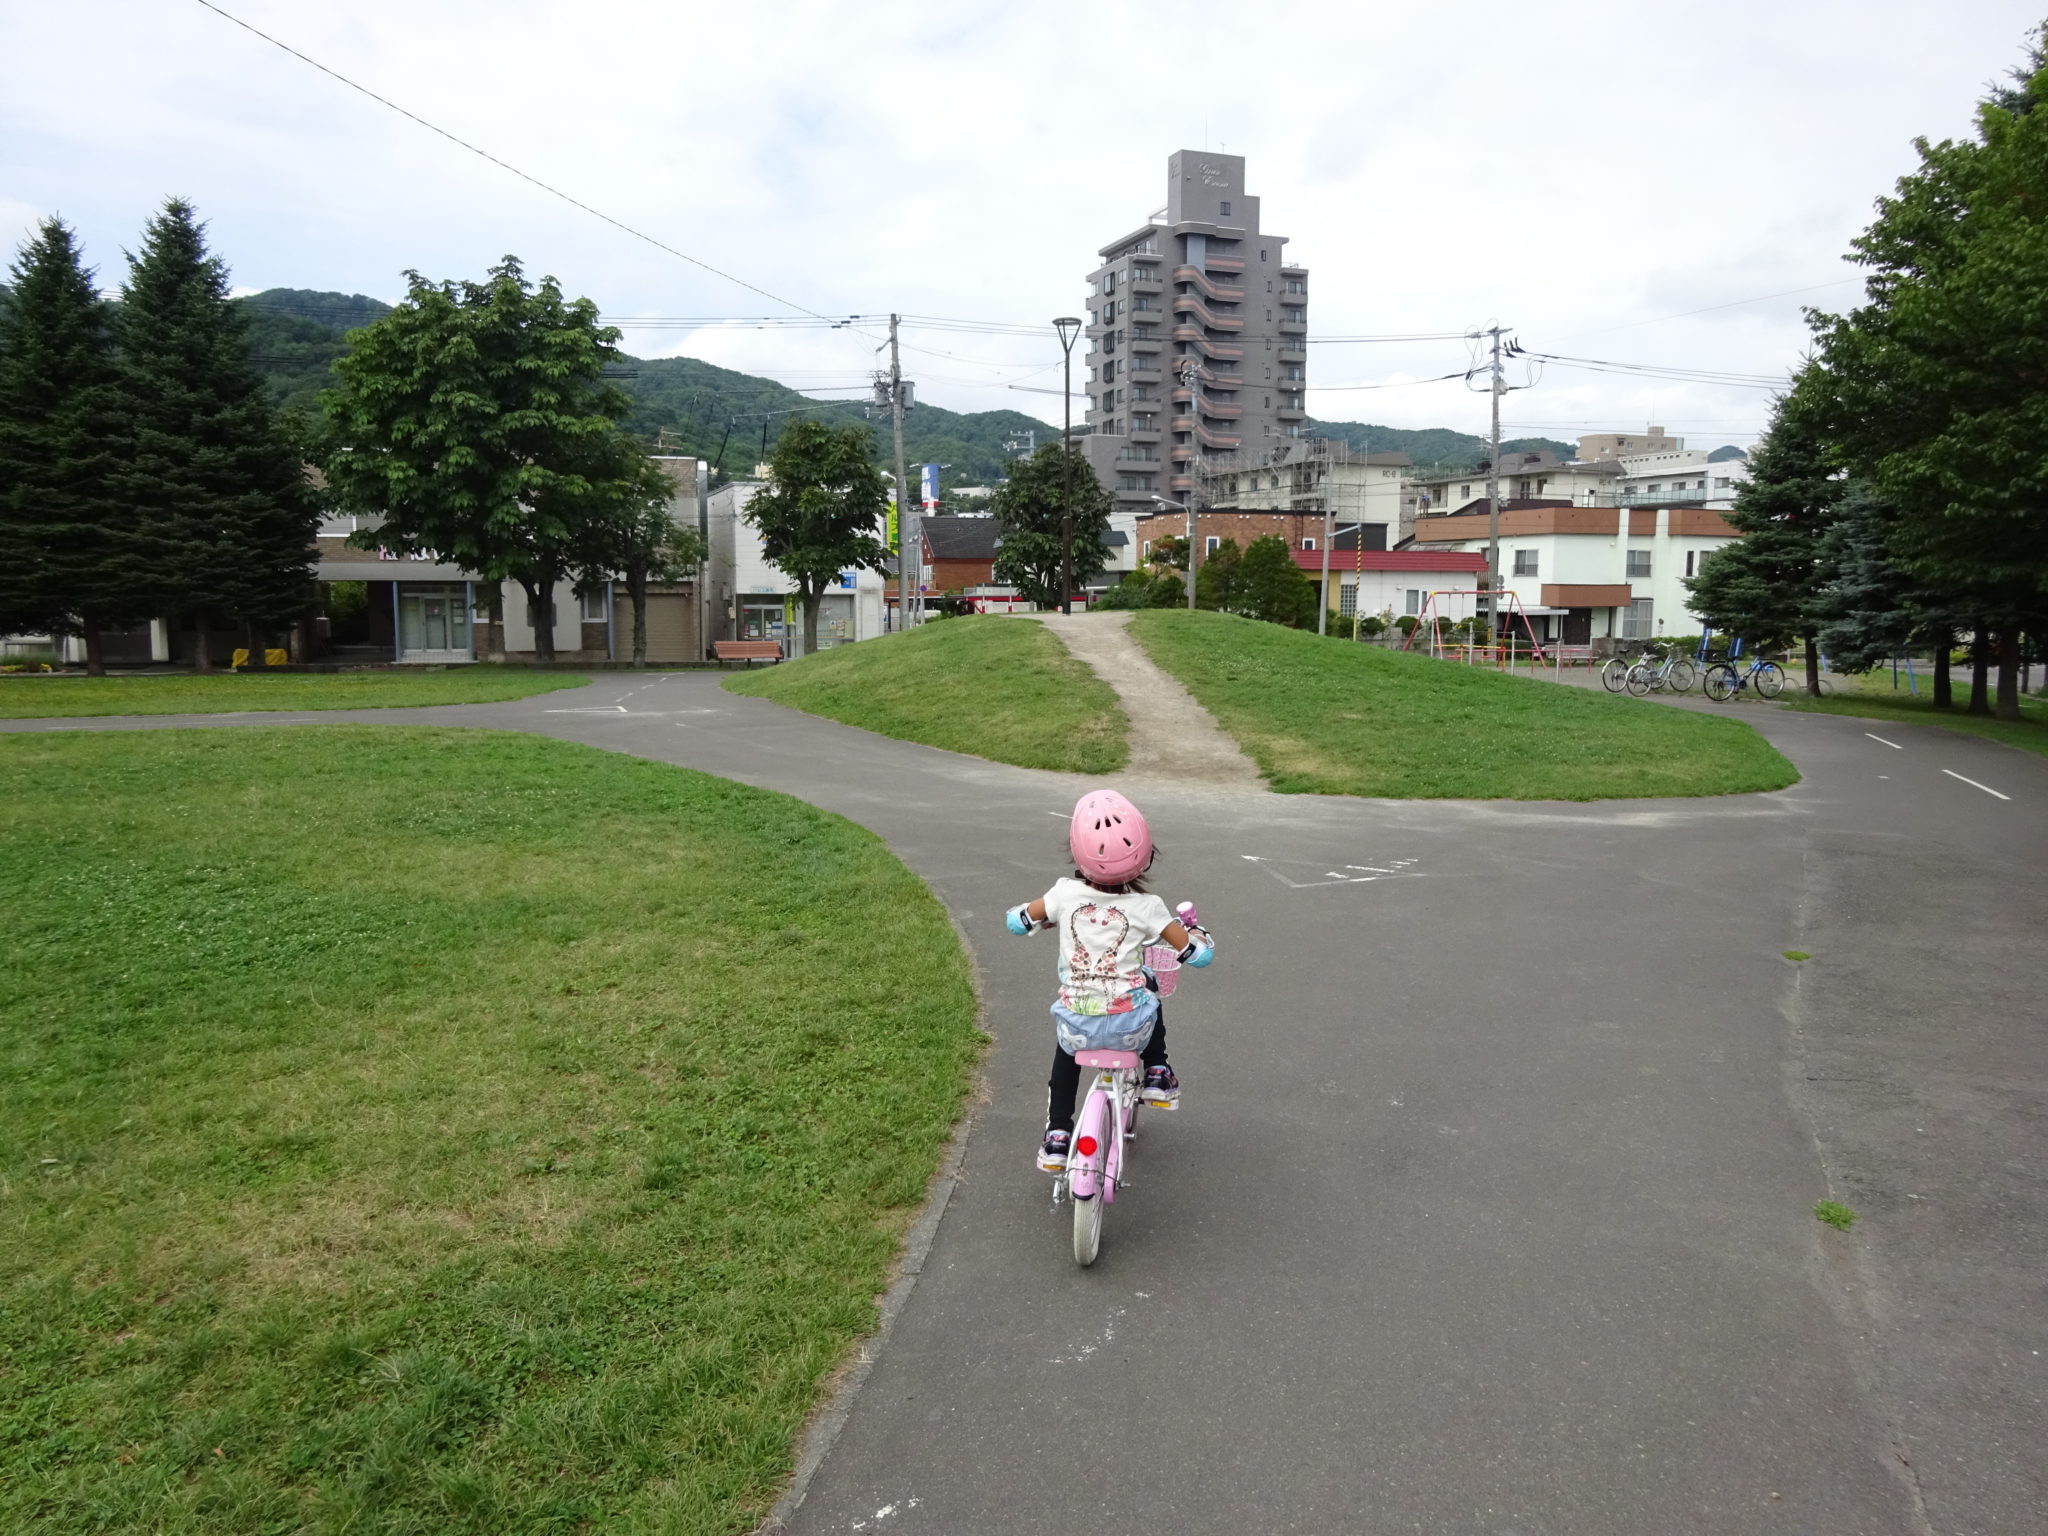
[691,407]
[1434,447]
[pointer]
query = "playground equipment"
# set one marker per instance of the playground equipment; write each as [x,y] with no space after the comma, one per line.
[1507,605]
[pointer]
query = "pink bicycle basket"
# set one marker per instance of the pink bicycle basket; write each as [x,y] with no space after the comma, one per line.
[1164,964]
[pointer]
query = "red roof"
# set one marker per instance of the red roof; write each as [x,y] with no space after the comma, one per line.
[1311,560]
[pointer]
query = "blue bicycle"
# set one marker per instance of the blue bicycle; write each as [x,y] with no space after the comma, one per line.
[1724,680]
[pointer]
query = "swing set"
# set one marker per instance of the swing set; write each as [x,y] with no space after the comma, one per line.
[1434,618]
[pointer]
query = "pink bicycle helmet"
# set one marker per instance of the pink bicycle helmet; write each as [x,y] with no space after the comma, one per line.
[1109,839]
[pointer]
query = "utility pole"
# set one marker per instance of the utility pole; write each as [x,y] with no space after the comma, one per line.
[1496,386]
[903,577]
[1068,327]
[1358,537]
[1323,602]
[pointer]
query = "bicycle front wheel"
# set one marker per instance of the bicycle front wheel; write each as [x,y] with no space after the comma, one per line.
[1681,677]
[1770,679]
[1614,675]
[1720,684]
[1638,679]
[1087,1228]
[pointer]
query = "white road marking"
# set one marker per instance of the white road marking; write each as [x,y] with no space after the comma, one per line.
[597,709]
[1974,784]
[1882,742]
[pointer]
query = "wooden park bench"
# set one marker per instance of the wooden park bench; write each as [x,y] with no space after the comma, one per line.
[749,651]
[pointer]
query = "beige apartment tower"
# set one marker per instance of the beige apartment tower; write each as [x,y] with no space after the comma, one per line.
[1197,332]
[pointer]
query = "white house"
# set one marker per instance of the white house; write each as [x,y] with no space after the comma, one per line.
[1591,573]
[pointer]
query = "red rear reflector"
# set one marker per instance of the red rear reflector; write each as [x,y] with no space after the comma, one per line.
[1086,1146]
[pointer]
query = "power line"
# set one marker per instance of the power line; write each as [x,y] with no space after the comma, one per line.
[1707,309]
[1398,384]
[501,164]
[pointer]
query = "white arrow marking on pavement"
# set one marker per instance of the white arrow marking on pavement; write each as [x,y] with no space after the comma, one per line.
[1882,742]
[597,709]
[1974,784]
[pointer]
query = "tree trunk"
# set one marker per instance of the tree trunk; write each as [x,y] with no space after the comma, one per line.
[2008,672]
[253,638]
[540,602]
[494,605]
[810,622]
[1944,688]
[1812,667]
[1980,671]
[636,594]
[95,645]
[202,649]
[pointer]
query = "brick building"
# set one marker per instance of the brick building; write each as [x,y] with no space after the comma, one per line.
[1301,530]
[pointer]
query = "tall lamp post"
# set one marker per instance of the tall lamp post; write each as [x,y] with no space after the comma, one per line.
[1068,327]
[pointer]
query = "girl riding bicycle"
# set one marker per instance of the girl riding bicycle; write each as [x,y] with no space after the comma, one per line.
[1106,999]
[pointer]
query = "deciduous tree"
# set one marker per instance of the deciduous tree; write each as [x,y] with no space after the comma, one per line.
[1272,587]
[476,423]
[1028,507]
[822,511]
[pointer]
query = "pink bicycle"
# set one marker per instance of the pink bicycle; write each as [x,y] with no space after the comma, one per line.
[1108,1121]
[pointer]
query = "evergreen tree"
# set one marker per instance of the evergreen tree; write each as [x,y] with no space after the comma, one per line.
[1217,583]
[1937,377]
[227,517]
[69,556]
[1764,587]
[1028,505]
[1272,587]
[1869,609]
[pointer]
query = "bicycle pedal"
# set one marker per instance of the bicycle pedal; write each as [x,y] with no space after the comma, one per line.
[1151,1103]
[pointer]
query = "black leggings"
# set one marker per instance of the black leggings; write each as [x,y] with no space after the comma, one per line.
[1065,1080]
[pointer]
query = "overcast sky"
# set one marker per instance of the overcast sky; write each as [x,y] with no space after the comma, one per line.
[1581,172]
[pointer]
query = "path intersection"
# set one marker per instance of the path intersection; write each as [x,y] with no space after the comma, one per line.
[1488,1208]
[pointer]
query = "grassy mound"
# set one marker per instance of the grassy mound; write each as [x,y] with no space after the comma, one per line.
[410,1130]
[999,688]
[29,698]
[1324,716]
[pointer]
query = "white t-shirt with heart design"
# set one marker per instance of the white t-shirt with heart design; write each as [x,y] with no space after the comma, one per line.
[1102,945]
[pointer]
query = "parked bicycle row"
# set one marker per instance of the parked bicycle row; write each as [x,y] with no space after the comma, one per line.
[1670,672]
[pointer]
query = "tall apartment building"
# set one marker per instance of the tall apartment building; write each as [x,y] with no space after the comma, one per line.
[1197,331]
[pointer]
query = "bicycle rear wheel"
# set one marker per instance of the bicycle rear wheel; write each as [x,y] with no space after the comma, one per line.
[1770,679]
[1720,684]
[1638,680]
[1087,1228]
[1614,675]
[1682,676]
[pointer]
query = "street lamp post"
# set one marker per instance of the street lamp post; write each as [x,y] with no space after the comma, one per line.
[1188,507]
[1068,327]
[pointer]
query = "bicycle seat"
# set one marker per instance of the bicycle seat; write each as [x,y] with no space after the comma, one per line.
[1127,1060]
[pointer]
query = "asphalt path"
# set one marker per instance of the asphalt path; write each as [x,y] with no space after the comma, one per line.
[1488,1207]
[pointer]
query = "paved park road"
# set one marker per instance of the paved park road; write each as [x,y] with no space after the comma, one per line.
[1488,1208]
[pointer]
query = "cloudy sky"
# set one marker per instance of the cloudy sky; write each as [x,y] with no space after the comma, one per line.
[1588,173]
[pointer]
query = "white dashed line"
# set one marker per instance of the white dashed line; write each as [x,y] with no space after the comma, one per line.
[1974,784]
[1882,742]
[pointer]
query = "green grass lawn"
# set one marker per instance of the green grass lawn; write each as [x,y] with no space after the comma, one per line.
[1324,716]
[999,688]
[415,1131]
[31,697]
[1871,696]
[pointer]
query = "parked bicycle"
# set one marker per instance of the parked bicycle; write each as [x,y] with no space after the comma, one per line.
[1673,672]
[1725,680]
[1614,676]
[1108,1121]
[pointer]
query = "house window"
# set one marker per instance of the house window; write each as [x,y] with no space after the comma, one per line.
[1722,482]
[1148,549]
[1347,598]
[1209,544]
[1224,209]
[1638,562]
[1635,624]
[1525,562]
[1308,543]
[1691,555]
[593,606]
[1464,490]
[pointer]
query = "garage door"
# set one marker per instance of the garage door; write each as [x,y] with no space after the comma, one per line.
[671,628]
